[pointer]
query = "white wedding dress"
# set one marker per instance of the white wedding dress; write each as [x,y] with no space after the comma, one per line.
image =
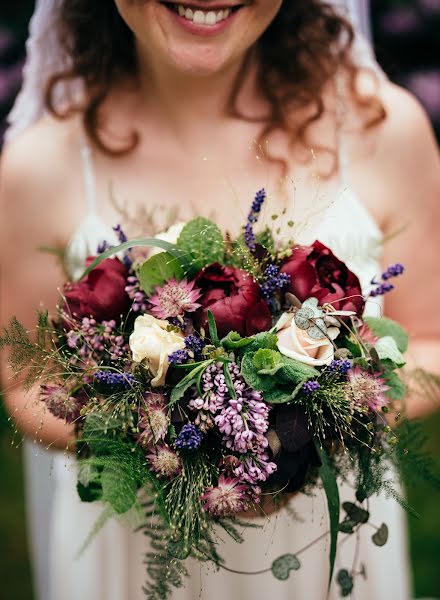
[111,568]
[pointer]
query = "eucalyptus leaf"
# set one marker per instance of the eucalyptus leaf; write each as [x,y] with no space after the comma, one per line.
[282,566]
[380,538]
[383,327]
[356,513]
[157,270]
[345,581]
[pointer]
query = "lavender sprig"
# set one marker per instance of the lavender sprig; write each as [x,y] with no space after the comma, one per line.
[382,287]
[274,281]
[249,235]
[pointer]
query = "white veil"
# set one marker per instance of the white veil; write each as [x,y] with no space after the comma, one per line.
[45,58]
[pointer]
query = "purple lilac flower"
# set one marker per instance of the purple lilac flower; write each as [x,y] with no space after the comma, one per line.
[116,380]
[311,387]
[274,281]
[134,292]
[93,340]
[243,420]
[340,366]
[189,438]
[249,235]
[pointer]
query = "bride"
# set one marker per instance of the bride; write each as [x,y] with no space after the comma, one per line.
[191,108]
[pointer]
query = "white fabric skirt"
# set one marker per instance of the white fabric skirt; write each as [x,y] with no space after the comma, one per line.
[112,568]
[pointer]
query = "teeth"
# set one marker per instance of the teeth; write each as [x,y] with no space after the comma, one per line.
[203,18]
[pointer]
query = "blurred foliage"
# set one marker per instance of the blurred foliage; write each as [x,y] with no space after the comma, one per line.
[15,574]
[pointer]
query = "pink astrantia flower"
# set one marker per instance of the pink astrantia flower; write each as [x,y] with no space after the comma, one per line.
[226,499]
[174,299]
[153,422]
[60,403]
[164,461]
[366,391]
[366,335]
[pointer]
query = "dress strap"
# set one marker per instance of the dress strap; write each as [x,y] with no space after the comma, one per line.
[341,145]
[89,180]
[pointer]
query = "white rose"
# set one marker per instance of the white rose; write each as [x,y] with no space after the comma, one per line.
[151,341]
[171,235]
[297,344]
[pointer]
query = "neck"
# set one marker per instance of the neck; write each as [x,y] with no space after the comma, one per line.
[185,101]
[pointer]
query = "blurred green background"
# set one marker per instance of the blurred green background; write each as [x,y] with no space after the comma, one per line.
[407,38]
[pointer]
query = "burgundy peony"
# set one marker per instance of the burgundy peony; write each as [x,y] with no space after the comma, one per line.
[101,294]
[234,298]
[315,271]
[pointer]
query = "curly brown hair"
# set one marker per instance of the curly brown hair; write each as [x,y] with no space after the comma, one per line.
[299,54]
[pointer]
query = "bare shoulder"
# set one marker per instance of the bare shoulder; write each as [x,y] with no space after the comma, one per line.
[399,166]
[37,156]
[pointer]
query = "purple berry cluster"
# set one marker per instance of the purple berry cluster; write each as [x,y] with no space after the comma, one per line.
[382,287]
[340,366]
[274,281]
[91,340]
[243,420]
[311,387]
[115,380]
[249,235]
[193,350]
[189,438]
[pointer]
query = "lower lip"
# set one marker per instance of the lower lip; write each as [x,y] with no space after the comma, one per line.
[202,30]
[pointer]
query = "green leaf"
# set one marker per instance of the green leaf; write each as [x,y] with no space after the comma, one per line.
[387,328]
[281,394]
[234,341]
[294,372]
[282,566]
[229,381]
[380,538]
[99,430]
[261,383]
[263,340]
[396,386]
[347,526]
[202,243]
[157,270]
[118,488]
[267,362]
[184,384]
[387,349]
[213,329]
[89,482]
[141,242]
[328,478]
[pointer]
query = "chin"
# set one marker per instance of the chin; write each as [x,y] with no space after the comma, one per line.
[198,37]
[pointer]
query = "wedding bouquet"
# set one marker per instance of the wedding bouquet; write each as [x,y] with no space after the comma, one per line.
[216,370]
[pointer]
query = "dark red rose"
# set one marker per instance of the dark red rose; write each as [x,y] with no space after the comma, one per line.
[234,299]
[315,271]
[101,294]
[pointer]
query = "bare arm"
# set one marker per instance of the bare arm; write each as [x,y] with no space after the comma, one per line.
[414,201]
[29,278]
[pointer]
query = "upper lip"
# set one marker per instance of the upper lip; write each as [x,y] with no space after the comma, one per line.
[205,5]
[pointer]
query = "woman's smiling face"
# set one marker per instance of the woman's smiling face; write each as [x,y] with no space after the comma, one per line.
[199,37]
